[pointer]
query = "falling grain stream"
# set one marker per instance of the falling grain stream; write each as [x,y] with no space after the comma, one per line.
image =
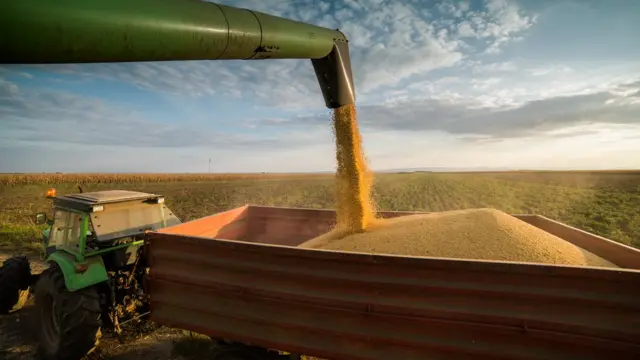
[355,211]
[487,234]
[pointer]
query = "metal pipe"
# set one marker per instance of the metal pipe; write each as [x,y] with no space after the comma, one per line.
[85,31]
[81,31]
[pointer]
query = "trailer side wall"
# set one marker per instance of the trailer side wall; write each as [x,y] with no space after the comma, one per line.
[293,226]
[359,306]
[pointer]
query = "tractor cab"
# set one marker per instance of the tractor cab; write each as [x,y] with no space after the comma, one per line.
[94,247]
[92,223]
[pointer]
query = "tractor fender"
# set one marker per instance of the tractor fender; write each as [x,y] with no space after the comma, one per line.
[74,280]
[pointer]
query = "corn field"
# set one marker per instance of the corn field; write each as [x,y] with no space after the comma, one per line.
[53,179]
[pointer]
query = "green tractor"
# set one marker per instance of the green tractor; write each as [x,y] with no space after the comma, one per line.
[94,249]
[94,243]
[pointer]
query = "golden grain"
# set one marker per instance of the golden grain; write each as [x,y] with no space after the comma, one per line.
[353,178]
[485,234]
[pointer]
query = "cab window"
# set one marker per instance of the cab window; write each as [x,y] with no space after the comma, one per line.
[65,231]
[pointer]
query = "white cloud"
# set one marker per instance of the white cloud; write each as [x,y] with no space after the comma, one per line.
[48,116]
[8,89]
[353,4]
[522,81]
[504,66]
[266,82]
[402,149]
[323,6]
[455,9]
[500,23]
[552,69]
[425,85]
[465,30]
[498,113]
[388,45]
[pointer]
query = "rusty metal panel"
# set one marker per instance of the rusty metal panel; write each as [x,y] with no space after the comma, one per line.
[360,306]
[293,226]
[305,213]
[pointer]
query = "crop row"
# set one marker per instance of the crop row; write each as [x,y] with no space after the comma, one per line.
[52,179]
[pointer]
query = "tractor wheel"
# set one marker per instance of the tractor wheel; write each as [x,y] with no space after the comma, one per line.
[68,322]
[15,278]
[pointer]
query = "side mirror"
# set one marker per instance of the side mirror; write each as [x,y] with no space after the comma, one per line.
[41,218]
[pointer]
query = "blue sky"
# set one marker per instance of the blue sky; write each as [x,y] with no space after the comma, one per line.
[482,83]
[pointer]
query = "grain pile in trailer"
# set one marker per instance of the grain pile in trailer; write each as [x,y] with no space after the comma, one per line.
[485,234]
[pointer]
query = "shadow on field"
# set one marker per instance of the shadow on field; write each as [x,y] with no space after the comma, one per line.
[18,341]
[17,335]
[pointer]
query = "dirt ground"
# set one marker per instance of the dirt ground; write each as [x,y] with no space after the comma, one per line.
[17,338]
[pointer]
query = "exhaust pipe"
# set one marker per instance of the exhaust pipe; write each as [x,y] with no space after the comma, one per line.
[98,31]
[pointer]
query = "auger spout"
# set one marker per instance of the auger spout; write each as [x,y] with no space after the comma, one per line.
[97,31]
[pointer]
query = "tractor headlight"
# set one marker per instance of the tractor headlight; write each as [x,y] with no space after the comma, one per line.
[160,200]
[96,208]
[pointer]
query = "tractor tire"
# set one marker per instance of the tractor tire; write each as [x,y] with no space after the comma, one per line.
[68,322]
[15,278]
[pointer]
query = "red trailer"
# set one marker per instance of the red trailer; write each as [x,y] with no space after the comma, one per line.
[238,275]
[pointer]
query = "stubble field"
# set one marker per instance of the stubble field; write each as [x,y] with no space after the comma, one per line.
[605,203]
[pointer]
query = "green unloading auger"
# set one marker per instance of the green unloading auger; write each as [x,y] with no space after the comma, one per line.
[94,31]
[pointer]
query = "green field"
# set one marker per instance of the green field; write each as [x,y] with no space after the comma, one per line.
[605,203]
